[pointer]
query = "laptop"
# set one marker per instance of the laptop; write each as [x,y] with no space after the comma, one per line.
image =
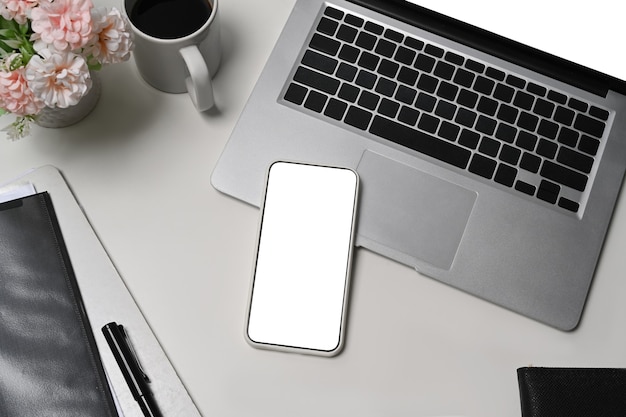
[486,164]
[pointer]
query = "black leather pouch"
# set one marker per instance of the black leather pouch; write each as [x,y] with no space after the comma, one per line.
[572,392]
[49,361]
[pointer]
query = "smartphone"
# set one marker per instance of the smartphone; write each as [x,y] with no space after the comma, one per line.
[300,285]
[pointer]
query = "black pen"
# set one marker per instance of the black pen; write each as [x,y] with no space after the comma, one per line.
[136,379]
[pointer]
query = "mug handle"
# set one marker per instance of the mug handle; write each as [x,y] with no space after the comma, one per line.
[199,85]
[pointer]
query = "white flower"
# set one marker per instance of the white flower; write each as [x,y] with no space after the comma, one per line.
[58,79]
[17,10]
[112,38]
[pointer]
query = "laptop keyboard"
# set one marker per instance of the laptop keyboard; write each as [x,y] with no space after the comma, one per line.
[499,126]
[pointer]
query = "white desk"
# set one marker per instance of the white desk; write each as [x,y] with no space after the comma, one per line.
[140,165]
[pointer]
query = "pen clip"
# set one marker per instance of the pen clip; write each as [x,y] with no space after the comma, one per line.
[133,352]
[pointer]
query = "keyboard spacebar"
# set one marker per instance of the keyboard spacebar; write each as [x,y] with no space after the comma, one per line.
[420,142]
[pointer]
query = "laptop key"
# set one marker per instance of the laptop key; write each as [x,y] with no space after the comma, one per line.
[557,97]
[425,102]
[525,187]
[388,68]
[590,126]
[327,26]
[505,175]
[325,44]
[589,145]
[483,166]
[506,133]
[574,159]
[385,48]
[504,93]
[428,123]
[334,13]
[484,85]
[568,204]
[296,93]
[469,139]
[407,76]
[388,108]
[510,154]
[406,95]
[316,80]
[369,61]
[489,147]
[366,41]
[464,78]
[394,36]
[349,53]
[349,92]
[427,83]
[374,28]
[530,162]
[548,191]
[358,118]
[405,56]
[564,116]
[599,113]
[564,176]
[354,20]
[445,110]
[386,87]
[465,117]
[347,33]
[408,115]
[474,66]
[486,125]
[335,109]
[369,100]
[434,51]
[447,90]
[316,101]
[366,79]
[547,148]
[576,104]
[449,131]
[421,142]
[346,72]
[424,63]
[319,62]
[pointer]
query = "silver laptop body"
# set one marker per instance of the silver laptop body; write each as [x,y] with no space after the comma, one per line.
[528,237]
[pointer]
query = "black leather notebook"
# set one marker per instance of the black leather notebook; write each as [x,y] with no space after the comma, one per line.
[49,361]
[572,392]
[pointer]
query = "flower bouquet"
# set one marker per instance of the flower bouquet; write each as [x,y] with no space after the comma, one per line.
[47,50]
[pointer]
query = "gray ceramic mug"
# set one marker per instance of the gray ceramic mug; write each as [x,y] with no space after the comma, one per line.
[177,62]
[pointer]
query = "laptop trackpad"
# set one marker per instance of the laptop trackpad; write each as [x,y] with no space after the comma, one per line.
[410,211]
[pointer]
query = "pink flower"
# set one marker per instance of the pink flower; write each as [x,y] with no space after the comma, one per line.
[15,95]
[58,79]
[112,39]
[17,9]
[64,24]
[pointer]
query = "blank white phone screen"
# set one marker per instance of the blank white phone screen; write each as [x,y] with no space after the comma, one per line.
[303,259]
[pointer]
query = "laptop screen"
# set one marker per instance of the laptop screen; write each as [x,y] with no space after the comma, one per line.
[589,33]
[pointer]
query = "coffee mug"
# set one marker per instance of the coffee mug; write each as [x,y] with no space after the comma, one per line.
[177,45]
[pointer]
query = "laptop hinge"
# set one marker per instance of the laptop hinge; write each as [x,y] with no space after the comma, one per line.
[525,56]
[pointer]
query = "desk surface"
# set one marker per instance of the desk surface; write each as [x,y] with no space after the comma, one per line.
[140,166]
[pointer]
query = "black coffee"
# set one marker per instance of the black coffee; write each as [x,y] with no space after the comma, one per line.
[170,19]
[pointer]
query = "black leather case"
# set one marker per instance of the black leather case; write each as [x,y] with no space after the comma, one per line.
[49,362]
[572,392]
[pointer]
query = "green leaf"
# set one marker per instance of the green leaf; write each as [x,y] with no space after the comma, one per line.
[12,43]
[7,33]
[25,28]
[5,47]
